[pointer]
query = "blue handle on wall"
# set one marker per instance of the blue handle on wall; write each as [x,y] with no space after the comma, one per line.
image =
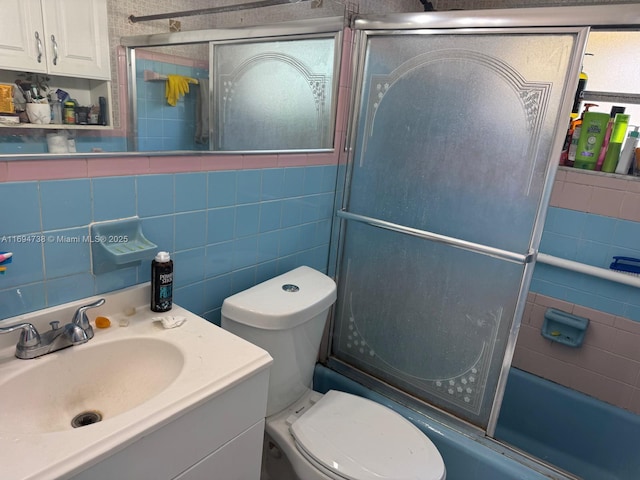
[564,328]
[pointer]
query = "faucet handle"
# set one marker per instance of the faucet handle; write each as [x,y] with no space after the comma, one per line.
[29,336]
[80,317]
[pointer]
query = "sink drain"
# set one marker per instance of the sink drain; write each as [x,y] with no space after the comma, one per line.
[86,418]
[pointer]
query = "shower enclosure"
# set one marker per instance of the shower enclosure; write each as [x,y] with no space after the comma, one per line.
[453,144]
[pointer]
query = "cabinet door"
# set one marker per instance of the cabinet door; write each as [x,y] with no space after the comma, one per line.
[77,40]
[22,38]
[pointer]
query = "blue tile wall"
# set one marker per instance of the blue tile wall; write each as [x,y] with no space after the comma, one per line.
[226,230]
[160,125]
[593,240]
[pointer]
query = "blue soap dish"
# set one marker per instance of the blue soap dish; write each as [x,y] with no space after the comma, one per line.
[119,244]
[564,328]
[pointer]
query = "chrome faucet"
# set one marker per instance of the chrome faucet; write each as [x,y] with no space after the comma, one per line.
[33,344]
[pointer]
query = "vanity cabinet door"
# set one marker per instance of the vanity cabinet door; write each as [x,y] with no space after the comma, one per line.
[77,40]
[22,37]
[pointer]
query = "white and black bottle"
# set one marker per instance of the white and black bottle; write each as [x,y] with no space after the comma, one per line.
[161,282]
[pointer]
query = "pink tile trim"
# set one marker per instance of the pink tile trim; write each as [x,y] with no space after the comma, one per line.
[168,58]
[556,193]
[599,193]
[574,196]
[22,170]
[630,208]
[584,177]
[221,162]
[633,184]
[175,164]
[634,405]
[561,175]
[292,160]
[605,201]
[46,169]
[322,158]
[627,325]
[259,161]
[601,387]
[605,180]
[106,167]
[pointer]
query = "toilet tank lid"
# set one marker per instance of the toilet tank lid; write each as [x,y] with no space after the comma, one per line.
[282,302]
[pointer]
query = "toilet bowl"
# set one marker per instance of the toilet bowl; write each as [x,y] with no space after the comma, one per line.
[335,436]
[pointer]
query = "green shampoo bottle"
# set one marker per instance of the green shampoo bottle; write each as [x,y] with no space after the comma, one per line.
[594,127]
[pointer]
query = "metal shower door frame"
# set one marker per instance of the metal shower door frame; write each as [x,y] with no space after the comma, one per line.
[573,20]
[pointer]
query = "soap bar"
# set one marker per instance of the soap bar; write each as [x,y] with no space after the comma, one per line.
[170,321]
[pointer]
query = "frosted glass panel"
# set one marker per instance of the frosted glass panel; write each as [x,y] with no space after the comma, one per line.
[467,123]
[274,95]
[425,317]
[454,137]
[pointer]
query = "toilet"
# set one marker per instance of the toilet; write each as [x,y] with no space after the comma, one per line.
[310,436]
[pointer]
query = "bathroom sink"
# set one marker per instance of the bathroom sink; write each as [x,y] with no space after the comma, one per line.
[129,383]
[94,382]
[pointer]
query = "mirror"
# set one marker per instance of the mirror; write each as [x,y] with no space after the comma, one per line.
[267,89]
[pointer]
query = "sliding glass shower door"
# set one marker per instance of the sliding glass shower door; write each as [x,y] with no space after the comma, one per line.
[452,141]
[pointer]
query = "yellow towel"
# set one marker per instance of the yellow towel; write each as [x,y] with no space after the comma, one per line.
[177,86]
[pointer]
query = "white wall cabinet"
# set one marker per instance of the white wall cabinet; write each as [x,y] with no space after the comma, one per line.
[58,37]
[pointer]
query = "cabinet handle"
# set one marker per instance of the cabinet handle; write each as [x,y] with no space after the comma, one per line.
[55,50]
[39,45]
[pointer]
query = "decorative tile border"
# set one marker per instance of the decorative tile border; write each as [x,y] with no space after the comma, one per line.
[599,193]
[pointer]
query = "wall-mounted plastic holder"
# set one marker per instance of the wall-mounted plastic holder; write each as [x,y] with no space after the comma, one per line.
[564,327]
[119,244]
[628,265]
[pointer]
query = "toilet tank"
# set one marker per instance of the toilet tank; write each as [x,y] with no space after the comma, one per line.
[286,316]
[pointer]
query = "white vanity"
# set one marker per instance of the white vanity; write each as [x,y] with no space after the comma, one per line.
[182,403]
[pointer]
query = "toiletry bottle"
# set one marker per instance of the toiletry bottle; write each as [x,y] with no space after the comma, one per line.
[576,127]
[69,113]
[582,85]
[161,282]
[636,163]
[594,127]
[628,152]
[620,125]
[564,155]
[605,143]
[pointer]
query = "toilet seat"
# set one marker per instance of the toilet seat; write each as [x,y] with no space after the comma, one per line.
[353,438]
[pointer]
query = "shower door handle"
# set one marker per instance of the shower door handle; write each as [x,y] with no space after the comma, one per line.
[436,237]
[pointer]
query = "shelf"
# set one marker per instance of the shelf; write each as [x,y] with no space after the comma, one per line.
[612,97]
[54,126]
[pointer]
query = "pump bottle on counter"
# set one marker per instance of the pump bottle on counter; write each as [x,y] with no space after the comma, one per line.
[161,282]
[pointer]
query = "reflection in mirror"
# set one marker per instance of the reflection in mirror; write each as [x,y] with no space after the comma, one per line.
[274,95]
[171,101]
[268,88]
